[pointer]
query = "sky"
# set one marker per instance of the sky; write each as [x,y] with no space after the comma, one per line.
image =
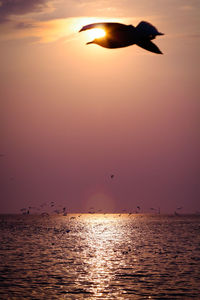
[73,114]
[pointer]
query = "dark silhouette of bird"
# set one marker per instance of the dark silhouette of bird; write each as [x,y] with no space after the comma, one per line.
[112,176]
[120,35]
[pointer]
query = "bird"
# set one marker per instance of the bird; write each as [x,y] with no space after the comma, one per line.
[120,35]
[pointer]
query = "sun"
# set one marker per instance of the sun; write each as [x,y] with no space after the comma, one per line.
[95,33]
[91,34]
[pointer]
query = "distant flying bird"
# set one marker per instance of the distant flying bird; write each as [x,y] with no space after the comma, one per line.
[112,176]
[120,35]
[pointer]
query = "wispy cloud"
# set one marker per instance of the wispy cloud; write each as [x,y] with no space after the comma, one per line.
[8,8]
[49,20]
[54,9]
[187,7]
[43,10]
[48,31]
[23,25]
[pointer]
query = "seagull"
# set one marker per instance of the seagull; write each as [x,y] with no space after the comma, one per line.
[179,207]
[120,35]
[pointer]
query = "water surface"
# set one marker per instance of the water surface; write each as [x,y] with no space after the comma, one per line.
[99,257]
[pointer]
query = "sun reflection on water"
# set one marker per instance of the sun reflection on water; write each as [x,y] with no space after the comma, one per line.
[103,238]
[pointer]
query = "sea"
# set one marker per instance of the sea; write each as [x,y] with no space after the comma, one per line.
[99,256]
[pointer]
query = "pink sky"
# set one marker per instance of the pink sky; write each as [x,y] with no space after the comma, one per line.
[73,114]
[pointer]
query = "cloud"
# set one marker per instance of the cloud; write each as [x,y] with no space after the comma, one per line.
[44,10]
[53,18]
[187,7]
[19,7]
[23,25]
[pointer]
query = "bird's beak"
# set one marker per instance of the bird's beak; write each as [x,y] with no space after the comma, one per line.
[160,33]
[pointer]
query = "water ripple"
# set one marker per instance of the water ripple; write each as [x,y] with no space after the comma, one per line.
[99,257]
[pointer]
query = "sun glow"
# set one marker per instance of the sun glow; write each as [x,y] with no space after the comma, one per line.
[100,202]
[95,33]
[91,34]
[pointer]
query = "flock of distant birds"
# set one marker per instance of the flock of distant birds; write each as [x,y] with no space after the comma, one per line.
[47,208]
[53,208]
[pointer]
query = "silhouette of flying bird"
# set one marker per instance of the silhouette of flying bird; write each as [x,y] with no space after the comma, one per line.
[120,35]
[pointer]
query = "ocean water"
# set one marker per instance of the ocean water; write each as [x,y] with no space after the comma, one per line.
[99,257]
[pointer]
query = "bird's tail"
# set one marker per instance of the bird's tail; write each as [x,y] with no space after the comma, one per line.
[148,45]
[145,33]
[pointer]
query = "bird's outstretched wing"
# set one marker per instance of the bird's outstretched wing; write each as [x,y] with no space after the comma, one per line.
[109,27]
[148,45]
[147,29]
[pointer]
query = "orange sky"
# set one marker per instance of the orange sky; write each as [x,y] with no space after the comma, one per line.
[71,114]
